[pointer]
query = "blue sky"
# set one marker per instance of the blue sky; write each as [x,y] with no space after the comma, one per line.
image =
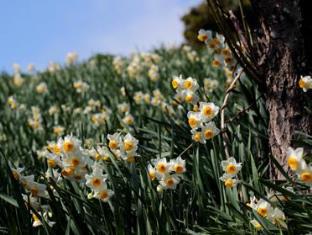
[39,31]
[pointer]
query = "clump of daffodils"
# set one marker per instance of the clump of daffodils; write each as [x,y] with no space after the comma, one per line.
[168,174]
[203,128]
[34,191]
[231,169]
[305,83]
[266,210]
[222,55]
[69,156]
[200,120]
[28,182]
[297,164]
[185,89]
[96,181]
[123,147]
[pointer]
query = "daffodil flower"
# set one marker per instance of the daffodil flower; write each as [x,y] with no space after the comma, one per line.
[230,166]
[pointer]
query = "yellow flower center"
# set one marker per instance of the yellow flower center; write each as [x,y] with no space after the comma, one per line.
[258,226]
[36,219]
[169,182]
[192,122]
[51,163]
[161,167]
[68,146]
[96,182]
[207,111]
[228,59]
[208,134]
[262,211]
[306,176]
[103,195]
[293,163]
[54,149]
[214,43]
[106,158]
[188,98]
[34,192]
[202,37]
[302,84]
[226,52]
[98,157]
[229,183]
[178,169]
[128,145]
[175,83]
[187,84]
[197,136]
[216,63]
[75,162]
[152,175]
[68,171]
[231,169]
[113,144]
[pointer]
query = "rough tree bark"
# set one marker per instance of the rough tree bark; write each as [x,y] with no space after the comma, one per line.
[285,57]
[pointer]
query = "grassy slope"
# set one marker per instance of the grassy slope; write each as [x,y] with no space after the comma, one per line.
[200,202]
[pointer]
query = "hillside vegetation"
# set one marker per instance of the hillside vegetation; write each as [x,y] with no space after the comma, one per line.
[118,145]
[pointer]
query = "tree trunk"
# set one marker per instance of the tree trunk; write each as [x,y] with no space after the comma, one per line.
[285,59]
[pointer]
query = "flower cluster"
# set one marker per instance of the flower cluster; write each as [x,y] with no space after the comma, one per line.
[186,89]
[96,181]
[124,147]
[28,182]
[167,173]
[200,121]
[297,164]
[266,210]
[231,169]
[34,191]
[68,154]
[222,53]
